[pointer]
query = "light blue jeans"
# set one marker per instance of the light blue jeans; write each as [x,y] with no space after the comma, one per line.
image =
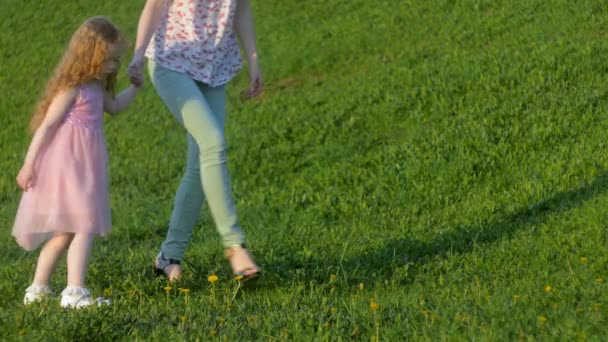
[201,109]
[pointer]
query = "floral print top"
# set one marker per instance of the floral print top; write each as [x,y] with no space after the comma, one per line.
[196,37]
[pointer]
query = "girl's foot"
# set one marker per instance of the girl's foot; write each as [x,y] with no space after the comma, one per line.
[243,266]
[171,268]
[79,297]
[36,293]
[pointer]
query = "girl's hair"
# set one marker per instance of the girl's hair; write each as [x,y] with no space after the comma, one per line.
[82,62]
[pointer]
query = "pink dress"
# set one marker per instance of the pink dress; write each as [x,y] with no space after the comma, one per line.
[70,192]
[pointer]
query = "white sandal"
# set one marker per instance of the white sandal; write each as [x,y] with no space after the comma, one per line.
[36,293]
[79,297]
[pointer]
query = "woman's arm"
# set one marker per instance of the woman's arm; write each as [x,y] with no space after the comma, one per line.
[56,111]
[149,20]
[243,25]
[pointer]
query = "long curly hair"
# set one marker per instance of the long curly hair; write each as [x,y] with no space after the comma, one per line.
[83,61]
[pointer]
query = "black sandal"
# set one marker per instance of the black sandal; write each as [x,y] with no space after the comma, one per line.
[161,264]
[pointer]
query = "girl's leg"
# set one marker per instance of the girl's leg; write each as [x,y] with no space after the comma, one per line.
[78,259]
[75,295]
[188,104]
[49,255]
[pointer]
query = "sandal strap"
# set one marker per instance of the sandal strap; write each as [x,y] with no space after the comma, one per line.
[164,263]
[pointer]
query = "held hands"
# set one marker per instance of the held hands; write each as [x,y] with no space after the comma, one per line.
[25,178]
[135,70]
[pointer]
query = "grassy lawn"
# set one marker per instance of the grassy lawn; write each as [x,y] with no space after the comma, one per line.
[415,170]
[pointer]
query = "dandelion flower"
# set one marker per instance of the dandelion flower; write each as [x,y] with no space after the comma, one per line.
[182,290]
[548,288]
[239,277]
[184,318]
[542,319]
[583,260]
[107,292]
[361,286]
[22,332]
[599,280]
[168,288]
[374,306]
[516,297]
[213,332]
[332,277]
[212,278]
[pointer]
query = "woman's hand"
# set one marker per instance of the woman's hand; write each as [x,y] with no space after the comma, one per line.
[25,178]
[256,85]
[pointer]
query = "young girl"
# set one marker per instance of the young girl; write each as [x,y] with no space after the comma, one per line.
[65,175]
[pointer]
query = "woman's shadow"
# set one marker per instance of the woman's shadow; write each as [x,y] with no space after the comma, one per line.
[407,257]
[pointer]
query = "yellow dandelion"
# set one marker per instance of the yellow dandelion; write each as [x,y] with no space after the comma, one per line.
[212,278]
[583,260]
[239,277]
[221,320]
[22,332]
[542,319]
[251,318]
[332,277]
[213,332]
[183,318]
[168,288]
[361,286]
[516,297]
[548,288]
[599,280]
[107,292]
[182,290]
[374,306]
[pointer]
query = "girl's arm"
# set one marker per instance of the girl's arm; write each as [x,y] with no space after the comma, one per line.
[243,25]
[59,106]
[114,105]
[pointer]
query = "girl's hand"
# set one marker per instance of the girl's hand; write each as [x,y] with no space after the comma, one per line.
[137,81]
[25,178]
[256,85]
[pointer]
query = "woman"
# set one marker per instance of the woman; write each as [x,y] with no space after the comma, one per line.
[192,53]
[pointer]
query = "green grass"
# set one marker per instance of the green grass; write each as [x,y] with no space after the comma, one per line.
[445,160]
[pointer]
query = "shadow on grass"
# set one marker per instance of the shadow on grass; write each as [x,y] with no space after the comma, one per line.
[412,255]
[405,258]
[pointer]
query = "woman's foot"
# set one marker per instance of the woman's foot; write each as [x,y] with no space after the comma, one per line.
[79,297]
[36,293]
[171,268]
[243,266]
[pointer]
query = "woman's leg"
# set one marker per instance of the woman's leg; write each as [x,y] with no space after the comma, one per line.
[240,259]
[49,255]
[206,153]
